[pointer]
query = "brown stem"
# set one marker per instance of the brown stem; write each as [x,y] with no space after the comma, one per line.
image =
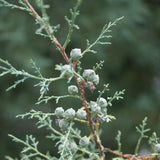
[90,120]
[80,85]
[132,157]
[55,41]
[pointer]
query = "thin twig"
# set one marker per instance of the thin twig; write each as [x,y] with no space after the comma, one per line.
[132,157]
[80,85]
[54,41]
[91,122]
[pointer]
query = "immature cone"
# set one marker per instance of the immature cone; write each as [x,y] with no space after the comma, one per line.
[81,114]
[70,113]
[59,111]
[102,102]
[72,147]
[84,142]
[89,74]
[76,54]
[95,108]
[72,89]
[63,124]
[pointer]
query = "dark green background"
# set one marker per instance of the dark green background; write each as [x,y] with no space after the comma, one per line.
[132,62]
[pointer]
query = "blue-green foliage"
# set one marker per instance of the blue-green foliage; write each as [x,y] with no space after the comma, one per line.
[134,59]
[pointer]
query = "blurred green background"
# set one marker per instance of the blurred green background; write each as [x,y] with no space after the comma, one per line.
[132,62]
